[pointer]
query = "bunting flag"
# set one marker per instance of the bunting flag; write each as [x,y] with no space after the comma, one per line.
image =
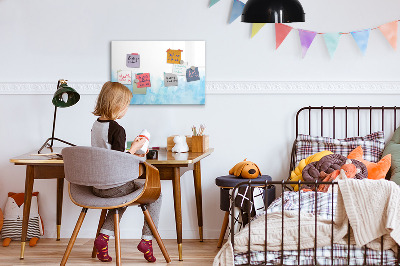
[237,9]
[332,41]
[361,37]
[256,28]
[306,39]
[281,31]
[213,2]
[389,30]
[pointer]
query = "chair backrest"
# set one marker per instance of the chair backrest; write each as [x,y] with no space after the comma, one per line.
[92,166]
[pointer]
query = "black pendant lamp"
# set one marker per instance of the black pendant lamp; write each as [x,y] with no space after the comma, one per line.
[273,11]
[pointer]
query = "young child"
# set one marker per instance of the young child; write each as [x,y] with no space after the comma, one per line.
[112,104]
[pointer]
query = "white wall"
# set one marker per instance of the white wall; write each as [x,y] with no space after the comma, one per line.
[47,40]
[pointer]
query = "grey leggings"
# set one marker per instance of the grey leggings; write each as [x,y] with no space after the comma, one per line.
[154,208]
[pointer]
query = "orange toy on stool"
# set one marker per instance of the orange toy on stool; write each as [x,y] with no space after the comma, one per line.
[245,169]
[12,224]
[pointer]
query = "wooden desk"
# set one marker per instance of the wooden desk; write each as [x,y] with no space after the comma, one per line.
[169,165]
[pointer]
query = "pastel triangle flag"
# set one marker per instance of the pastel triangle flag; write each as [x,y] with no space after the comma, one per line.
[332,41]
[256,28]
[213,2]
[389,30]
[237,9]
[361,37]
[306,39]
[281,31]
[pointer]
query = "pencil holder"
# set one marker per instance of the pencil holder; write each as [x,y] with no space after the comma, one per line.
[200,143]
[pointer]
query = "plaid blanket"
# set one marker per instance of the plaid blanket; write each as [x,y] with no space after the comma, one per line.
[323,205]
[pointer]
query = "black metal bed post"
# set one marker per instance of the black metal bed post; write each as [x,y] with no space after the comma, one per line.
[298,239]
[333,114]
[358,120]
[249,220]
[266,220]
[345,112]
[315,221]
[322,121]
[333,192]
[283,211]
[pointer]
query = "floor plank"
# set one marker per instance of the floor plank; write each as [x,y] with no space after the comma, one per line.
[49,252]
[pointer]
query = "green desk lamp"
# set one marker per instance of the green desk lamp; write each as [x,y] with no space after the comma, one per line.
[65,96]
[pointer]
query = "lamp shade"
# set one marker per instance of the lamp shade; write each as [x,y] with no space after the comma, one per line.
[273,11]
[65,96]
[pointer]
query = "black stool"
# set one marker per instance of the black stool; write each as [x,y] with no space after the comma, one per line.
[226,183]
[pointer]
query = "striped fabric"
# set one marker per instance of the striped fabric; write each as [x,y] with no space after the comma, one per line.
[13,228]
[340,253]
[372,145]
[322,207]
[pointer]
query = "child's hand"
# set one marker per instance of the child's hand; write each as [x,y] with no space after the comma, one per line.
[143,155]
[137,144]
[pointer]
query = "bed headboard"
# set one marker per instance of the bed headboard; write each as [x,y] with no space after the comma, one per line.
[344,121]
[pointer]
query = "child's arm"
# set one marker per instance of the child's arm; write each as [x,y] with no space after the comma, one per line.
[136,145]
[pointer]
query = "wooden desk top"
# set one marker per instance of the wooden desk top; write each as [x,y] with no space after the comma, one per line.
[164,157]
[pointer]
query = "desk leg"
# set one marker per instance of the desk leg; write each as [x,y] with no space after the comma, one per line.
[199,204]
[60,190]
[176,182]
[27,206]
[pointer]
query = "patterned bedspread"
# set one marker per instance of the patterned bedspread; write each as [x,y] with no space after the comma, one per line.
[306,202]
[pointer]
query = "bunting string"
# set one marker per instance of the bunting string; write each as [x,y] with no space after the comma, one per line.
[361,37]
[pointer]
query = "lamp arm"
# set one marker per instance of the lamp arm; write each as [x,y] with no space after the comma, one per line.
[54,126]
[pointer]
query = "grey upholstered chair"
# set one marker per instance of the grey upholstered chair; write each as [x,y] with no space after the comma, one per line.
[85,167]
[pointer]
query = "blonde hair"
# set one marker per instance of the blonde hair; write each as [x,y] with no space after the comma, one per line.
[112,99]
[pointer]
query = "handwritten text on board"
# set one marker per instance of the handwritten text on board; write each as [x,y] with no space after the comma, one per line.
[144,80]
[170,80]
[174,56]
[124,77]
[192,75]
[179,69]
[133,60]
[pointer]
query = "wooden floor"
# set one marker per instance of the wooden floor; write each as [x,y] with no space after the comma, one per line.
[50,252]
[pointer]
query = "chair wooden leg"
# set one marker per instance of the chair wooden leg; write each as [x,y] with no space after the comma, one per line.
[117,239]
[223,229]
[154,230]
[101,222]
[73,237]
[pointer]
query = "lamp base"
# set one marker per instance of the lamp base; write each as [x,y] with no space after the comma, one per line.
[50,146]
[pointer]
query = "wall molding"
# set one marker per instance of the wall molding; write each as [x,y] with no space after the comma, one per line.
[232,87]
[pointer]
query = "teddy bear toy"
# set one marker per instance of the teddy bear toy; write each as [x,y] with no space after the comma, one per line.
[245,169]
[180,144]
[13,215]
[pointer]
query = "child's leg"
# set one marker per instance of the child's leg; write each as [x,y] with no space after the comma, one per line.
[107,230]
[108,226]
[154,210]
[145,244]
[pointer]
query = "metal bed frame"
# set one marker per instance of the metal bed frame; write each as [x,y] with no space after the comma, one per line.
[283,184]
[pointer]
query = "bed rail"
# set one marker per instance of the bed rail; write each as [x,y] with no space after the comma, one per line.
[265,185]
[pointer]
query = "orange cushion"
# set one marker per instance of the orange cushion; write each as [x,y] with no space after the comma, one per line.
[375,170]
